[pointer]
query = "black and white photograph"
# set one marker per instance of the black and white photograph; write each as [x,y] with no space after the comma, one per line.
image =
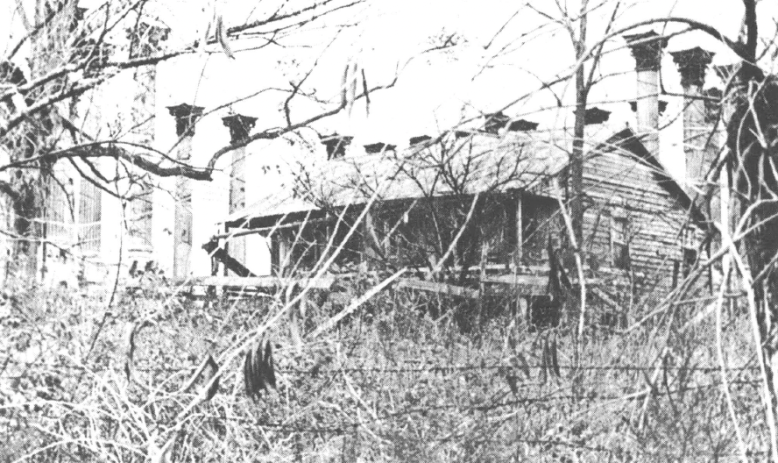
[422,231]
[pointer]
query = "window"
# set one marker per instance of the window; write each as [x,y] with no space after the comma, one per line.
[89,218]
[620,243]
[689,247]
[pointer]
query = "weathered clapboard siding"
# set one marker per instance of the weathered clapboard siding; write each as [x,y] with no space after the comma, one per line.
[618,185]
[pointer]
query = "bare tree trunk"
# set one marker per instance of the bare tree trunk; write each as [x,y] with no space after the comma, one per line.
[755,182]
[577,158]
[577,190]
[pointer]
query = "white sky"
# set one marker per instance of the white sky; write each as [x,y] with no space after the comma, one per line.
[434,89]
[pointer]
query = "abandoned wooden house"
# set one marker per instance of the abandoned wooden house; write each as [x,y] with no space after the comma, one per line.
[483,206]
[477,206]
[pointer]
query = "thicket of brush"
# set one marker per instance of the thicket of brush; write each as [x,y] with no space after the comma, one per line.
[404,378]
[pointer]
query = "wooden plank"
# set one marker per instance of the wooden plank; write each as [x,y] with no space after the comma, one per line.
[260,282]
[440,288]
[523,280]
[220,254]
[525,284]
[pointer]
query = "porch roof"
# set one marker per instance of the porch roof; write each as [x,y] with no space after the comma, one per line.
[447,166]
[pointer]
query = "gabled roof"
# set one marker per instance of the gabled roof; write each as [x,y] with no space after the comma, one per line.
[628,141]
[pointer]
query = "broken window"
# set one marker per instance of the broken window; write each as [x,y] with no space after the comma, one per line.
[620,243]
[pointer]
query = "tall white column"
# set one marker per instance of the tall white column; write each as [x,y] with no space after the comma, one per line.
[239,126]
[647,48]
[186,116]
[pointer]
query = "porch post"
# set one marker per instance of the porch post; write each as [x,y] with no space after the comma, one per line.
[186,116]
[369,255]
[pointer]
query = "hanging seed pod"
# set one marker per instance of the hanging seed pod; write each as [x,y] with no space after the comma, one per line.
[247,379]
[256,371]
[211,368]
[252,378]
[259,369]
[544,363]
[555,359]
[270,375]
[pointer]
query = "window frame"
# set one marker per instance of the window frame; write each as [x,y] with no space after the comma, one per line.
[690,249]
[619,241]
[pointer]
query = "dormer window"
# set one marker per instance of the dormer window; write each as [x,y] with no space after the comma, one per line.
[375,148]
[633,105]
[336,145]
[420,140]
[495,122]
[522,125]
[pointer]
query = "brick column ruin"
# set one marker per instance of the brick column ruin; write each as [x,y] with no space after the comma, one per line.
[186,116]
[647,49]
[239,126]
[692,64]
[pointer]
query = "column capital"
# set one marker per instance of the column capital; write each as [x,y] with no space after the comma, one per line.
[336,145]
[185,115]
[646,48]
[239,126]
[692,64]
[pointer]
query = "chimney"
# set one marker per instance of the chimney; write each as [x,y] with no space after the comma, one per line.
[186,115]
[692,64]
[419,140]
[647,48]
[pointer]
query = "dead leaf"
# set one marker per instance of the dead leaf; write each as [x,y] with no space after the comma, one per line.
[221,37]
[211,368]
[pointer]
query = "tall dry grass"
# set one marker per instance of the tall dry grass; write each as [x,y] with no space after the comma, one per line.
[404,378]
